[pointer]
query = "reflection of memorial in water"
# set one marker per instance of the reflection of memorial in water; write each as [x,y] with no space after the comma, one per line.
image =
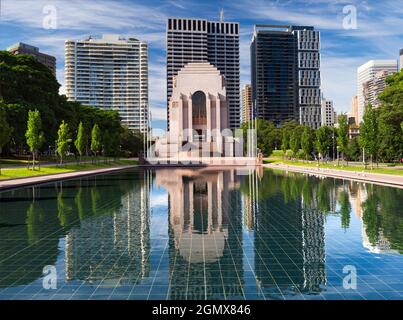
[289,240]
[205,249]
[112,247]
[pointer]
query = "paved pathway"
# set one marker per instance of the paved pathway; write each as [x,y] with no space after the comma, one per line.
[20,182]
[378,178]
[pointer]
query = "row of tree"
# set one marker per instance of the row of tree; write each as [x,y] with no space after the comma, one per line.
[381,133]
[25,86]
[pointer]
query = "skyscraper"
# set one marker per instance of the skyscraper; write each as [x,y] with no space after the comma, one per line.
[328,115]
[45,59]
[368,86]
[285,63]
[199,40]
[246,103]
[354,109]
[110,73]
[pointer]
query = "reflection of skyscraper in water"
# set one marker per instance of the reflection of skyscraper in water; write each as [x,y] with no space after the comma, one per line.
[313,250]
[113,247]
[250,198]
[205,249]
[289,246]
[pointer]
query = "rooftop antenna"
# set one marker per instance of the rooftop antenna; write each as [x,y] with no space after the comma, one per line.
[222,15]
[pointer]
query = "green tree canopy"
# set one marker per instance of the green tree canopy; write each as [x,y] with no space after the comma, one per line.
[307,141]
[323,140]
[369,134]
[81,141]
[96,144]
[34,133]
[342,135]
[63,140]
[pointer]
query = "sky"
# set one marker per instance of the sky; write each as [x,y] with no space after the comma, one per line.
[346,43]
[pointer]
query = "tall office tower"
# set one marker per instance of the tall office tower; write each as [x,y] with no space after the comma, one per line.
[198,40]
[110,73]
[45,59]
[246,103]
[328,115]
[354,109]
[401,59]
[285,69]
[369,81]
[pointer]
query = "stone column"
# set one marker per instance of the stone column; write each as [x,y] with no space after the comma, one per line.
[190,122]
[209,206]
[191,209]
[208,107]
[219,199]
[218,113]
[180,116]
[218,124]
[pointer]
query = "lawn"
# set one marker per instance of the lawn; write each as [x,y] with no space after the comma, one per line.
[11,173]
[313,164]
[12,162]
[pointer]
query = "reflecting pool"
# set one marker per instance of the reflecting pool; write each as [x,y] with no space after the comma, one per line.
[202,234]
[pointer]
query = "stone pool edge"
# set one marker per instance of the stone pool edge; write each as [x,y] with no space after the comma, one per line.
[42,179]
[377,178]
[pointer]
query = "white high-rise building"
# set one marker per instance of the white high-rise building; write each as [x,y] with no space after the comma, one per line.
[328,115]
[368,73]
[110,73]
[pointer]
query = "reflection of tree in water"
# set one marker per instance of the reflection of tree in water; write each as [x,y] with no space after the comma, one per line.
[345,209]
[30,245]
[383,217]
[34,219]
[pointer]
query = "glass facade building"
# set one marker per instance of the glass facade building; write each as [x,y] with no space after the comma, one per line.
[285,70]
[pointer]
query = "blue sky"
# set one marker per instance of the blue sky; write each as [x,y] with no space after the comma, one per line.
[379,33]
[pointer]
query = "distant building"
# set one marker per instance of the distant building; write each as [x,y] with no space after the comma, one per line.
[371,78]
[353,131]
[110,73]
[285,71]
[246,103]
[199,40]
[354,109]
[328,115]
[372,88]
[45,59]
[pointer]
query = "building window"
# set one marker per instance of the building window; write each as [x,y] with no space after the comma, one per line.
[199,112]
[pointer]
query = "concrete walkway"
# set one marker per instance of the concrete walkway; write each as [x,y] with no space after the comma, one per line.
[21,182]
[377,178]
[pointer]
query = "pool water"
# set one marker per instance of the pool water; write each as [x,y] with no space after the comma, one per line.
[202,234]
